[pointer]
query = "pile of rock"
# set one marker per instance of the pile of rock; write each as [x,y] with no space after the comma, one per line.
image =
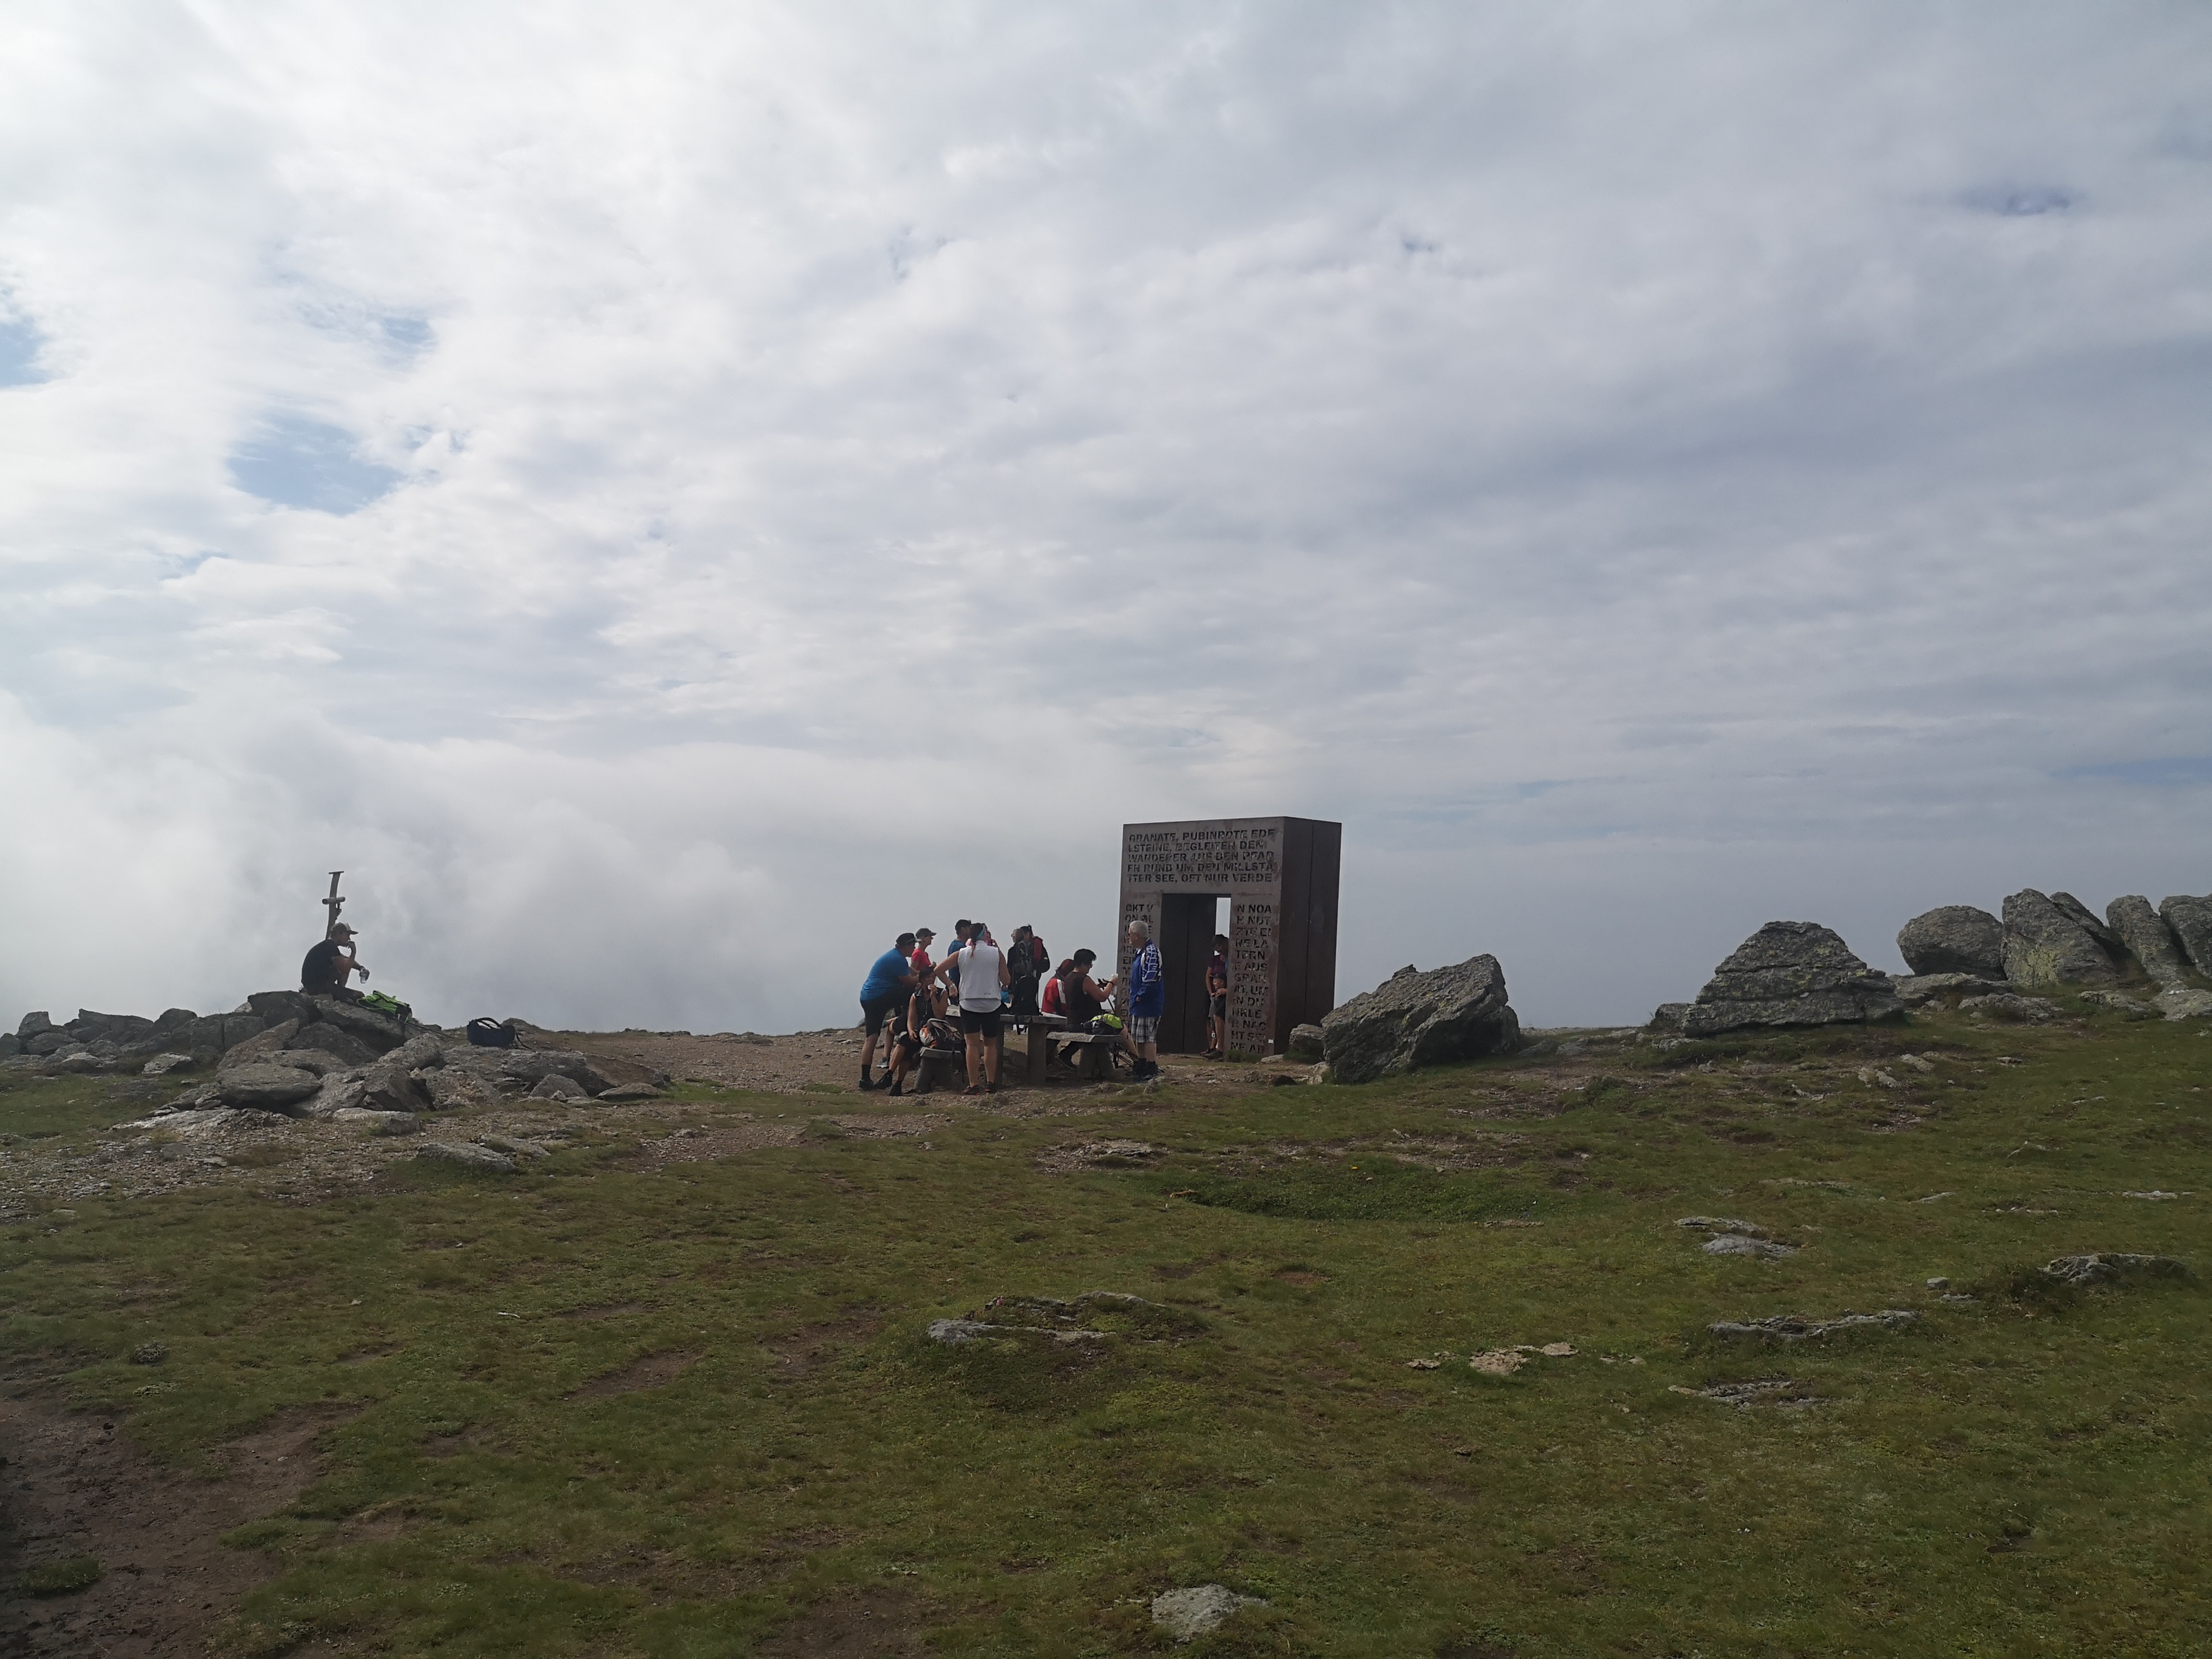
[1415,1019]
[2051,941]
[96,1041]
[312,1056]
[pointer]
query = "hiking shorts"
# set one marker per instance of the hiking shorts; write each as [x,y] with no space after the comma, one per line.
[1219,1007]
[985,1023]
[873,1011]
[1144,1028]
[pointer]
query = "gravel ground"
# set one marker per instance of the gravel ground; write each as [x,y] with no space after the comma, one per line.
[148,1153]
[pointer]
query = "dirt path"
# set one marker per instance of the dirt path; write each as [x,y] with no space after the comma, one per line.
[819,1062]
[75,1485]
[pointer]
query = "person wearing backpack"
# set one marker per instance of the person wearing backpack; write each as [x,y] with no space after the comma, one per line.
[1029,962]
[979,968]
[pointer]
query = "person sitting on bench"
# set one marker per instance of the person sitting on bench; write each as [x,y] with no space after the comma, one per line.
[1082,997]
[926,1027]
[327,966]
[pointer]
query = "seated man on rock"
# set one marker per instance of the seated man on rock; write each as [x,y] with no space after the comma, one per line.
[325,972]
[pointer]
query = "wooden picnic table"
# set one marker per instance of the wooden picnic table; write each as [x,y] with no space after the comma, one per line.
[1040,1035]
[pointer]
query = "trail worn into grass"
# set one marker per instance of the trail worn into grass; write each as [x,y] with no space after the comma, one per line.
[1428,1368]
[78,1487]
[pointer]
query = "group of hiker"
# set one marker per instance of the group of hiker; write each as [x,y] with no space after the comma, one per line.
[915,1003]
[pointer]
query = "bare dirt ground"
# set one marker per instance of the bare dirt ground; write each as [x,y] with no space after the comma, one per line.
[76,1487]
[814,1062]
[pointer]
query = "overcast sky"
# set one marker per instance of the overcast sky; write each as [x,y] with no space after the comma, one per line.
[666,496]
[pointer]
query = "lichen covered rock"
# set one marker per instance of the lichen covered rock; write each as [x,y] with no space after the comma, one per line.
[2045,947]
[1954,938]
[1415,1019]
[1790,973]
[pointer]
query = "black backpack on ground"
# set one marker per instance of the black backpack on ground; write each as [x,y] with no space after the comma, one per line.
[488,1033]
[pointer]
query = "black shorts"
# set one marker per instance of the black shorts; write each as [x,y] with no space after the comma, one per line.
[1218,1007]
[986,1023]
[874,1010]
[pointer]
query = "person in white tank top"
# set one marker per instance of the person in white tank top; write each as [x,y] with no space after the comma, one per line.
[983,974]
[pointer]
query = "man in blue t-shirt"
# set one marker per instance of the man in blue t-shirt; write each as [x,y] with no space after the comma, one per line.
[1148,1000]
[885,989]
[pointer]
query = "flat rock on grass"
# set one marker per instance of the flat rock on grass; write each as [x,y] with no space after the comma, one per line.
[1187,1614]
[2017,1009]
[1795,1327]
[1759,1249]
[2114,1267]
[261,1087]
[1916,990]
[1765,1390]
[382,1123]
[466,1155]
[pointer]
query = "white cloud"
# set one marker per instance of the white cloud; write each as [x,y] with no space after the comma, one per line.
[1644,473]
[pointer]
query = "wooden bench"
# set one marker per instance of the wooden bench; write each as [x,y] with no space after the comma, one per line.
[941,1065]
[1094,1052]
[1036,1032]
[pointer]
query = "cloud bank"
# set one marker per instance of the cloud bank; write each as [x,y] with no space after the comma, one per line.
[667,499]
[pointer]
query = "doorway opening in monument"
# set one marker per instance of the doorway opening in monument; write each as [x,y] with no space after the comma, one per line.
[1188,922]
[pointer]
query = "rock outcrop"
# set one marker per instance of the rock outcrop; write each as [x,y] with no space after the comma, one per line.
[1415,1019]
[2147,938]
[2191,918]
[1954,938]
[1790,973]
[1916,989]
[2003,1004]
[2181,1003]
[2045,947]
[2092,924]
[267,1087]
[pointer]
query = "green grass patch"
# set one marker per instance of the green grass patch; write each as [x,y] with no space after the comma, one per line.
[78,1572]
[1373,1189]
[595,1408]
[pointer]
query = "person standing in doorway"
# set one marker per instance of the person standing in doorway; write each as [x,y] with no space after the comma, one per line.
[881,993]
[1147,1002]
[979,968]
[1217,1000]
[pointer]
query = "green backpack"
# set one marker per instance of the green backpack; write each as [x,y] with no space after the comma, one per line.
[388,1005]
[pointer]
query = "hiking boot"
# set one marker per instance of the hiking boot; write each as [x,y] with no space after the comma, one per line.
[868,1081]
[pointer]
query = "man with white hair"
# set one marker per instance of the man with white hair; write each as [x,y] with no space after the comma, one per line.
[1148,1000]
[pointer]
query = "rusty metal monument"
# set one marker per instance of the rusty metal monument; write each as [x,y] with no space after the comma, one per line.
[1279,876]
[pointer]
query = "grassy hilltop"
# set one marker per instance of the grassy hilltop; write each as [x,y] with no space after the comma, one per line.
[669,1393]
